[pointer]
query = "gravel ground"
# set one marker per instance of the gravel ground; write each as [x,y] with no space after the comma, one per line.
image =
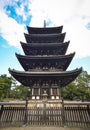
[41,128]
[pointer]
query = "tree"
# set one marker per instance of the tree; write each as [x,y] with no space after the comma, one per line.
[69,92]
[82,80]
[5,86]
[10,89]
[82,85]
[78,89]
[20,92]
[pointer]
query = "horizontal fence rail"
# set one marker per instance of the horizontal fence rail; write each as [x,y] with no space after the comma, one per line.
[45,113]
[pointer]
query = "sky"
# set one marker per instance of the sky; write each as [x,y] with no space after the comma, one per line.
[15,15]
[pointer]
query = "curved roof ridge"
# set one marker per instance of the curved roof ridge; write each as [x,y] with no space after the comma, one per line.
[44,56]
[45,72]
[41,44]
[47,27]
[44,35]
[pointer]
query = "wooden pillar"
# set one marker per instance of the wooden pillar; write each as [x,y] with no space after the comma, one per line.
[32,91]
[39,92]
[51,92]
[58,93]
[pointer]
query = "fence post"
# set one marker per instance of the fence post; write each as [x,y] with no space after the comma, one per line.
[44,112]
[1,111]
[88,109]
[63,113]
[26,112]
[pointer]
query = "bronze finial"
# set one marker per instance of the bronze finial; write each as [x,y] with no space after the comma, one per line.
[44,24]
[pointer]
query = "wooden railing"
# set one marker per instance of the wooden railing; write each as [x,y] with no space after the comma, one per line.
[77,114]
[45,113]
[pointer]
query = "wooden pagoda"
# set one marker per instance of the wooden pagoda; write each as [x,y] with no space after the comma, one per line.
[45,62]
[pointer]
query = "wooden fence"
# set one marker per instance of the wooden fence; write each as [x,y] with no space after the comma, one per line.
[45,113]
[77,114]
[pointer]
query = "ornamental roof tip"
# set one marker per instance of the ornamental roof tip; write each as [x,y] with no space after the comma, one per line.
[8,68]
[22,42]
[81,68]
[16,53]
[44,23]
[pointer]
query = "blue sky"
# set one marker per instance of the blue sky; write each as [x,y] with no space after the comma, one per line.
[15,15]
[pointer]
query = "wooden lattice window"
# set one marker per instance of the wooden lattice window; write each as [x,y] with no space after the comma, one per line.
[35,91]
[54,91]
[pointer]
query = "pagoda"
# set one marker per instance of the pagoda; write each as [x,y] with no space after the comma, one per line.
[45,62]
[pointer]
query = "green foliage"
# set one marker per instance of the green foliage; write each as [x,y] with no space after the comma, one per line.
[5,86]
[10,89]
[20,92]
[69,92]
[79,89]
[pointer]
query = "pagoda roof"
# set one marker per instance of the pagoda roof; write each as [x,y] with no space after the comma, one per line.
[45,56]
[44,44]
[61,77]
[33,38]
[58,61]
[44,30]
[45,48]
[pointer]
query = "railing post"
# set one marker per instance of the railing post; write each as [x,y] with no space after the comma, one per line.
[63,113]
[26,112]
[44,112]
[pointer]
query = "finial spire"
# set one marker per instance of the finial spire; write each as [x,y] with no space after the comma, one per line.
[44,24]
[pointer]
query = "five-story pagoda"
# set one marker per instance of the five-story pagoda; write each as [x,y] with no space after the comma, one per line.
[45,62]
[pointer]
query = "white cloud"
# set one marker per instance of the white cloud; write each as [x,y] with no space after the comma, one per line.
[11,30]
[21,11]
[56,10]
[74,15]
[79,36]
